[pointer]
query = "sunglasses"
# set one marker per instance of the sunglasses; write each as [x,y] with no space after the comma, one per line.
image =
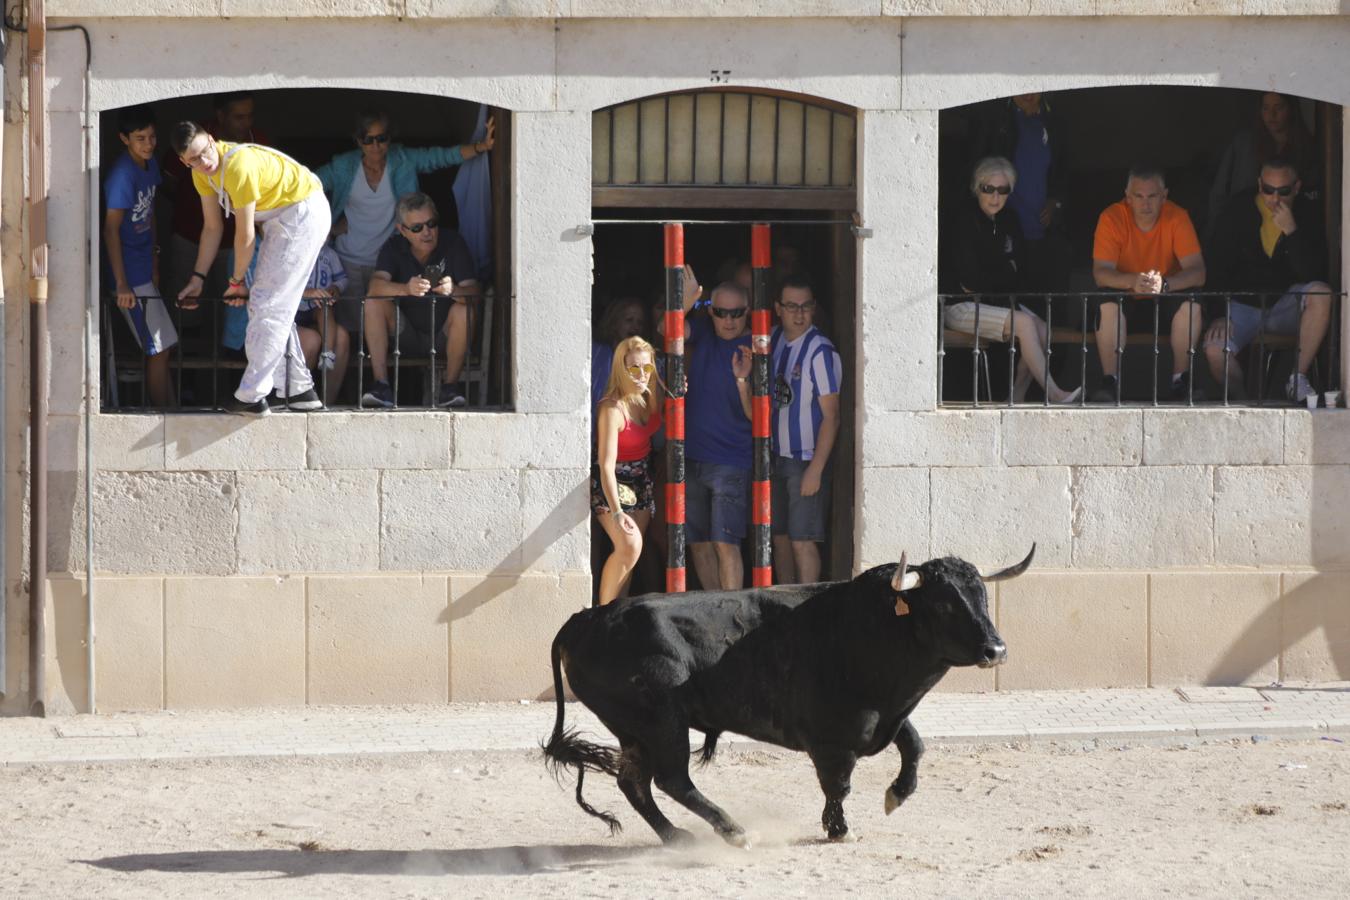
[798,307]
[1002,190]
[638,371]
[729,313]
[429,223]
[1283,190]
[368,139]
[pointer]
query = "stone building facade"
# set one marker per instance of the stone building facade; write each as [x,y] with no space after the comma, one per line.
[360,557]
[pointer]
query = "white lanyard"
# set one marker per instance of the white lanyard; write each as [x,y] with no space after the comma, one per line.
[223,195]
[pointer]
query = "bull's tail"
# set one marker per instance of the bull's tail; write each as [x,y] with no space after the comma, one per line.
[565,748]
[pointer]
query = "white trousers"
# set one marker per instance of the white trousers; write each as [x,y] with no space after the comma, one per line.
[292,238]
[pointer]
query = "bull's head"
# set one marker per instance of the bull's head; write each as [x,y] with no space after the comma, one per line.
[950,605]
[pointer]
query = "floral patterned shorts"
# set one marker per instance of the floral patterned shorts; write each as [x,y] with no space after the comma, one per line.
[636,491]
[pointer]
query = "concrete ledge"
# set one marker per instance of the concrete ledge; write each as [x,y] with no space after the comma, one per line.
[700,9]
[932,438]
[376,440]
[1213,437]
[1051,437]
[231,443]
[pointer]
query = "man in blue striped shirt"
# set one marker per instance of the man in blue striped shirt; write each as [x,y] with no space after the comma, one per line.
[806,373]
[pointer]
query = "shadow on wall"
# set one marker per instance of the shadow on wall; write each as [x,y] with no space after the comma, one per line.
[1312,620]
[566,516]
[1312,616]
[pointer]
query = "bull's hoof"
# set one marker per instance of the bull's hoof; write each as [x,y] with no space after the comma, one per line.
[737,838]
[893,800]
[840,835]
[677,837]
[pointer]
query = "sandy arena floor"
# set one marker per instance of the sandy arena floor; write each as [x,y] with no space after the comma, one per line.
[1226,818]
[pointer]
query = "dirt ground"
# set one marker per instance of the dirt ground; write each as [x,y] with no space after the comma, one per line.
[1231,818]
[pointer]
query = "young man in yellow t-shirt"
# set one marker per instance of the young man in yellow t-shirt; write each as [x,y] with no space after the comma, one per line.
[258,186]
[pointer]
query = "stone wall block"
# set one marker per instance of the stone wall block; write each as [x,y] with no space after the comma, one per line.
[378,639]
[556,520]
[1209,628]
[1069,630]
[349,9]
[551,196]
[931,439]
[129,650]
[895,516]
[313,521]
[451,521]
[233,642]
[164,522]
[67,661]
[1319,438]
[538,441]
[234,443]
[126,443]
[1263,516]
[1143,517]
[897,266]
[853,61]
[991,517]
[1179,437]
[1061,437]
[376,440]
[1282,515]
[501,632]
[1315,627]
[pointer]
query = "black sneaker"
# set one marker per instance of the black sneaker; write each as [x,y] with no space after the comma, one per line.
[306,402]
[236,407]
[1181,385]
[1105,392]
[378,394]
[448,397]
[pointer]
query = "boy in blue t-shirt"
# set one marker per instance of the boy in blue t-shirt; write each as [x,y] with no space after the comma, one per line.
[129,240]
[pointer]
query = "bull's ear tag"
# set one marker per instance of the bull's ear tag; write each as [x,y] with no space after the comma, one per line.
[901,607]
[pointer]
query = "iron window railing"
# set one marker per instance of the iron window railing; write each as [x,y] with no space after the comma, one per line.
[1070,323]
[199,360]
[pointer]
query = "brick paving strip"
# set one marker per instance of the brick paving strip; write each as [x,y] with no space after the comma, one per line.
[1313,710]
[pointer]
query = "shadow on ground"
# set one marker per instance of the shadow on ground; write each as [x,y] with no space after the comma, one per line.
[298,863]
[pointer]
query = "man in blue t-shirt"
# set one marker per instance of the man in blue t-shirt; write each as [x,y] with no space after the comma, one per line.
[717,436]
[129,242]
[806,373]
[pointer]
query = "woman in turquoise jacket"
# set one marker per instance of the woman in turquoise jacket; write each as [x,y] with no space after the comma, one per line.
[364,184]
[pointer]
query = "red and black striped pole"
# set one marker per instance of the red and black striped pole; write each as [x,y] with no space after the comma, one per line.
[674,326]
[761,513]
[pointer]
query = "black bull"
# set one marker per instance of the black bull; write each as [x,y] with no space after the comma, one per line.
[833,669]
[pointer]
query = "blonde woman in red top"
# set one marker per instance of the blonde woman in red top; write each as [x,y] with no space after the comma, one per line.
[622,493]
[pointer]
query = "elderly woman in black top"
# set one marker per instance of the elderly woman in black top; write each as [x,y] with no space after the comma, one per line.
[989,263]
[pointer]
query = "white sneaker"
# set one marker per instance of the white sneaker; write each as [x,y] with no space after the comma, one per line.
[327,359]
[1298,388]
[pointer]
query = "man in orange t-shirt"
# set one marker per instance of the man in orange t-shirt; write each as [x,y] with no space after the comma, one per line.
[1146,245]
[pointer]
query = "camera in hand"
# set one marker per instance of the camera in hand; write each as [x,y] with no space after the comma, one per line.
[434,272]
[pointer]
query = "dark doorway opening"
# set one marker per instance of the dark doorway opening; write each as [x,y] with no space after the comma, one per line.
[629,263]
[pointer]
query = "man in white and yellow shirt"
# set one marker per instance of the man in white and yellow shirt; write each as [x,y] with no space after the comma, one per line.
[259,186]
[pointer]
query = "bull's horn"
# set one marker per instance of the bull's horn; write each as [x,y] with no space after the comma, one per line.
[1011,571]
[902,580]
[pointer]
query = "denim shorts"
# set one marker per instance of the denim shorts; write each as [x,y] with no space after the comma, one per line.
[1280,318]
[716,502]
[800,518]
